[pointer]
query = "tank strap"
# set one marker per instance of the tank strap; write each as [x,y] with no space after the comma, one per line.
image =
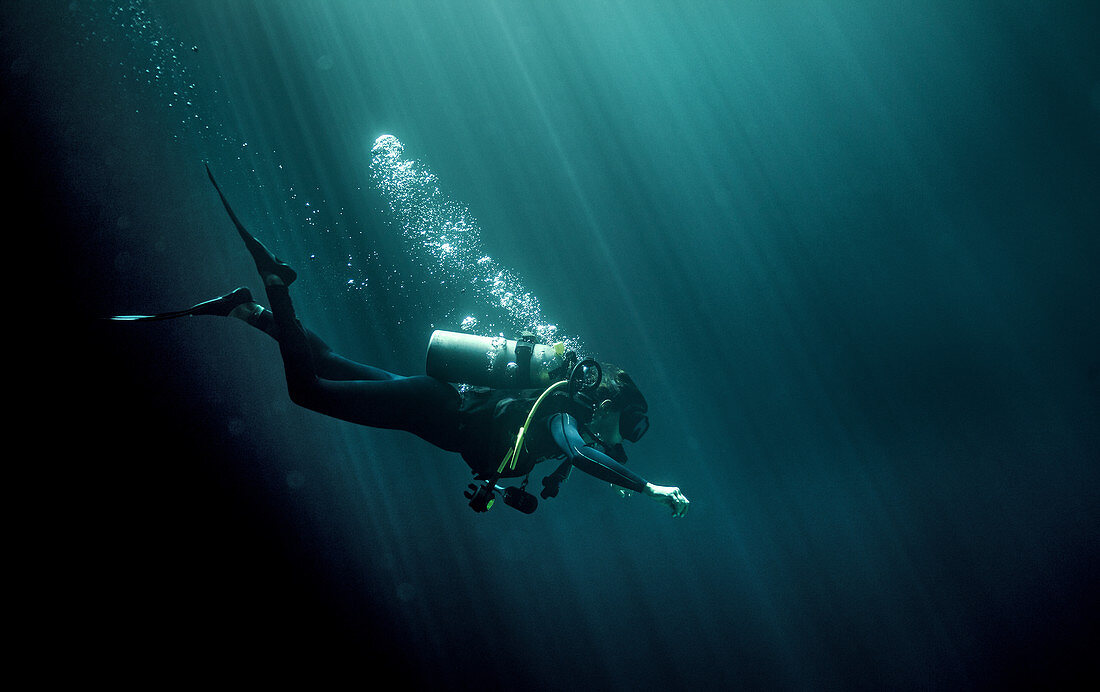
[525,347]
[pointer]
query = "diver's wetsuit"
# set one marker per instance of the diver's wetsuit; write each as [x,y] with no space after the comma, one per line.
[479,423]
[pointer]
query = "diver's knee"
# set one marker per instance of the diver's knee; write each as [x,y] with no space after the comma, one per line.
[302,392]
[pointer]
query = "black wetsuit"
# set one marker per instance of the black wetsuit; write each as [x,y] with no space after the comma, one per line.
[478,423]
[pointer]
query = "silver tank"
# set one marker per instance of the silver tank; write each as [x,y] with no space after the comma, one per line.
[489,361]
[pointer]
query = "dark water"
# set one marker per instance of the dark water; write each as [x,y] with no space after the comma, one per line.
[848,249]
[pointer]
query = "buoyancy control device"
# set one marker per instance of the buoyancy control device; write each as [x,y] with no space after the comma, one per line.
[509,364]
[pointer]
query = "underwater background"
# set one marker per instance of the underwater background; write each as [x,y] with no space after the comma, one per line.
[847,249]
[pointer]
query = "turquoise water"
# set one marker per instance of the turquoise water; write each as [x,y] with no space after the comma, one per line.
[847,249]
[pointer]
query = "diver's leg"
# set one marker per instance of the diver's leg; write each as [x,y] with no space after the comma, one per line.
[327,364]
[421,405]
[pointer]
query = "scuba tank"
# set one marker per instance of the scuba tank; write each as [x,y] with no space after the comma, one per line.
[493,361]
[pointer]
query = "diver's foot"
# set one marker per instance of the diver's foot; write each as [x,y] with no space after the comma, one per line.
[269,266]
[266,262]
[219,307]
[224,305]
[257,316]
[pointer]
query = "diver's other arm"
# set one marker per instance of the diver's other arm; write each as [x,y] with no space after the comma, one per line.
[669,496]
[567,438]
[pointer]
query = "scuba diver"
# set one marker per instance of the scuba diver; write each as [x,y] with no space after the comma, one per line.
[578,413]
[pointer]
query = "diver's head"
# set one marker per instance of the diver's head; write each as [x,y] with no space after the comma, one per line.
[620,412]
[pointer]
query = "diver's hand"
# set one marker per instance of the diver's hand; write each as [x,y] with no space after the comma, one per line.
[669,496]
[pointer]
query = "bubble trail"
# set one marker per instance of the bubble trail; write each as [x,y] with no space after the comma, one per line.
[446,233]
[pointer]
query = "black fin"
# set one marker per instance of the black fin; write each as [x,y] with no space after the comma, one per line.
[220,307]
[266,262]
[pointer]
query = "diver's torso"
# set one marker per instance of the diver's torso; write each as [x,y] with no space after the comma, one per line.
[490,418]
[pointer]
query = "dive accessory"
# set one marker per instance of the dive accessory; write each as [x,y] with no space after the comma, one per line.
[493,361]
[482,496]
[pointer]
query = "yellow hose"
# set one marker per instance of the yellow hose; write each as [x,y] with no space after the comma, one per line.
[511,458]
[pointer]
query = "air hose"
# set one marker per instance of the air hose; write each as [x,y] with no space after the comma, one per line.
[512,457]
